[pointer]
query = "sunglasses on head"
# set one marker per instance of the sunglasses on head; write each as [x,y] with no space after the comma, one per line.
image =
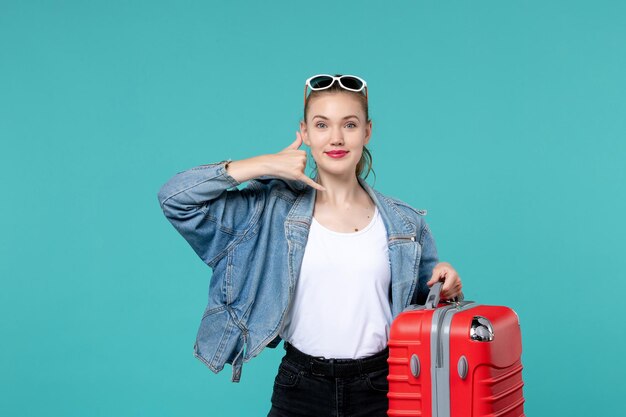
[324,81]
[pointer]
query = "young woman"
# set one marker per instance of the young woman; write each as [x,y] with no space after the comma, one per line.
[325,264]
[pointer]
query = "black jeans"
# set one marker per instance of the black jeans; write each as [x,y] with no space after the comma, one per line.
[308,386]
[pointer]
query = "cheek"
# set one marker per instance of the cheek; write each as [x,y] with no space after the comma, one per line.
[316,142]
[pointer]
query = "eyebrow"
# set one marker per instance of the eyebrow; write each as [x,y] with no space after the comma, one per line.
[347,117]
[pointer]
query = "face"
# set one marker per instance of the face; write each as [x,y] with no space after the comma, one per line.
[336,132]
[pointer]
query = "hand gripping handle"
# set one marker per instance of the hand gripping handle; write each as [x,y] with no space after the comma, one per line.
[432,301]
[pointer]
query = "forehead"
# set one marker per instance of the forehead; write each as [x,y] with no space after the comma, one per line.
[336,106]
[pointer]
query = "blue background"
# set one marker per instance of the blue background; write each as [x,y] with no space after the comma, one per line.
[504,119]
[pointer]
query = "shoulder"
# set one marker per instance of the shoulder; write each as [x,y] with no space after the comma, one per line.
[402,205]
[406,211]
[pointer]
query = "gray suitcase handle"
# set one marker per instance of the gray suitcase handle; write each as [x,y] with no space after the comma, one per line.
[433,298]
[432,301]
[434,295]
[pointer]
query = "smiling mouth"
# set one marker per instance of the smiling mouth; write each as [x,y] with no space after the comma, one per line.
[336,154]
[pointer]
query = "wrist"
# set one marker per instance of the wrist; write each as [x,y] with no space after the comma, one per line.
[247,169]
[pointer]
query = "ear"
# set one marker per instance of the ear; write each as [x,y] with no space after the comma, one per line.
[305,134]
[368,132]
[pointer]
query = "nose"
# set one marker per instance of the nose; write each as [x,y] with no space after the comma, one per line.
[337,138]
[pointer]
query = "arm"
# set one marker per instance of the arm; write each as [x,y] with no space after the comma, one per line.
[427,264]
[211,217]
[200,205]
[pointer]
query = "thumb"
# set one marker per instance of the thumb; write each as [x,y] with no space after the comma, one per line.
[434,279]
[296,143]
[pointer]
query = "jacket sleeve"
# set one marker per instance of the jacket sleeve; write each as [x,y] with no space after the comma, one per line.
[200,205]
[428,261]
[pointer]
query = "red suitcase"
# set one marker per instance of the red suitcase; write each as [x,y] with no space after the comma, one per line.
[455,360]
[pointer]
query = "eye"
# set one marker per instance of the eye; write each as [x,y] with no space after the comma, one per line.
[351,123]
[320,123]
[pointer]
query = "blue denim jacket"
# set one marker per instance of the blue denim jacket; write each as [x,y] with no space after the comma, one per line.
[254,238]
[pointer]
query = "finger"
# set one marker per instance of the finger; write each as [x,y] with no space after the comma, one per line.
[449,283]
[312,183]
[453,284]
[296,143]
[454,291]
[435,278]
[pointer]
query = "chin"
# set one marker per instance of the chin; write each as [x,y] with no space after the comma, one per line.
[338,171]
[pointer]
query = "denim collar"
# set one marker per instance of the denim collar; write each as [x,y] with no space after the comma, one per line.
[396,223]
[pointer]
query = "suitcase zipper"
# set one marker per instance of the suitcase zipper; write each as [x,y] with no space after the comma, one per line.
[442,331]
[440,372]
[439,339]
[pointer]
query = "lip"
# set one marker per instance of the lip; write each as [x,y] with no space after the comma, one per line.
[336,154]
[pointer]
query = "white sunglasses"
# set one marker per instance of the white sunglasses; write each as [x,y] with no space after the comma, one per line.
[324,81]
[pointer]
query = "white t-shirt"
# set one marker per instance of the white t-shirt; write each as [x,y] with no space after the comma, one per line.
[341,306]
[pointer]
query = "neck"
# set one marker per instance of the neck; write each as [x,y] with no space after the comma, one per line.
[340,190]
